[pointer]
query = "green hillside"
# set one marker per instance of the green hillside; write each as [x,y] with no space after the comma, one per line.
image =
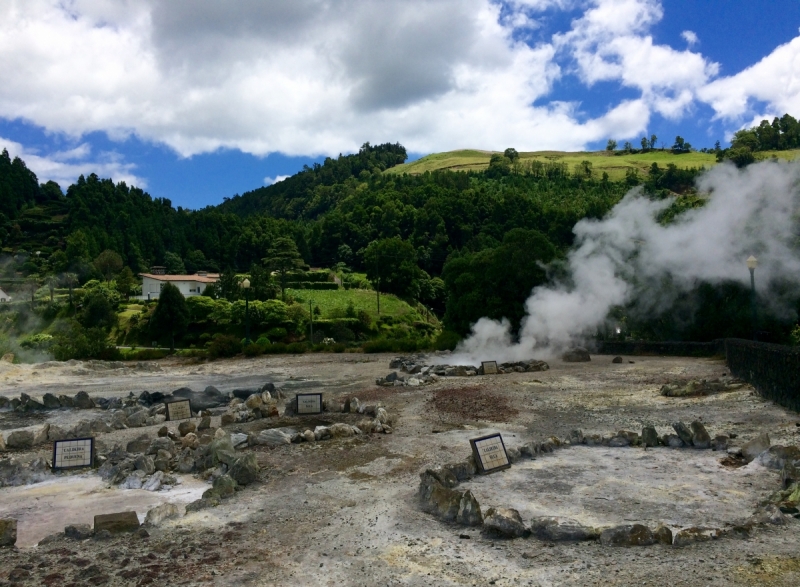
[615,164]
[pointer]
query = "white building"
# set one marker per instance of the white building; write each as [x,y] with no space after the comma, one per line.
[189,285]
[4,297]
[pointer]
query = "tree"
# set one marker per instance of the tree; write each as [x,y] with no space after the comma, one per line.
[98,310]
[77,247]
[174,264]
[126,282]
[51,281]
[70,280]
[283,258]
[653,139]
[511,154]
[645,144]
[392,267]
[171,316]
[108,263]
[627,147]
[30,287]
[611,145]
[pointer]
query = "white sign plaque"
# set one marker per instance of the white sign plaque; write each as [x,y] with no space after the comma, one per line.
[68,454]
[309,403]
[178,410]
[490,453]
[489,367]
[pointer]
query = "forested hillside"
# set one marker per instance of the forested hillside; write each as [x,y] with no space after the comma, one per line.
[464,244]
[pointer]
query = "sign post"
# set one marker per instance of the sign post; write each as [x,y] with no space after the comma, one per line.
[489,367]
[73,454]
[309,403]
[178,410]
[490,453]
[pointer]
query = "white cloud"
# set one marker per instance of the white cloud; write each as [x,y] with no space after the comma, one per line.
[64,167]
[276,179]
[690,37]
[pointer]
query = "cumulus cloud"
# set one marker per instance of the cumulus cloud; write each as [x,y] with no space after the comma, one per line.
[690,37]
[276,179]
[64,167]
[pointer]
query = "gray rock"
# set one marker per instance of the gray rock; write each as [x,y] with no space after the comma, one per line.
[161,513]
[238,440]
[137,419]
[144,463]
[751,450]
[133,481]
[138,445]
[775,457]
[342,430]
[673,441]
[202,504]
[442,502]
[683,432]
[210,397]
[154,482]
[160,443]
[444,476]
[51,402]
[116,523]
[322,433]
[82,401]
[223,486]
[119,420]
[720,443]
[78,531]
[8,532]
[504,522]
[221,450]
[663,535]
[649,436]
[66,401]
[619,441]
[561,529]
[629,535]
[205,423]
[695,534]
[700,436]
[186,427]
[273,437]
[20,439]
[616,360]
[245,470]
[469,511]
[576,355]
[575,437]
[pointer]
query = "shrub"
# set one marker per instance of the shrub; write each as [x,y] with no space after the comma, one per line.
[446,341]
[296,348]
[37,341]
[253,350]
[224,345]
[276,333]
[263,341]
[146,355]
[277,348]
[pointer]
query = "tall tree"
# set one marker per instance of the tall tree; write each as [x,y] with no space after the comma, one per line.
[70,280]
[171,316]
[108,263]
[126,282]
[52,283]
[283,258]
[392,266]
[174,264]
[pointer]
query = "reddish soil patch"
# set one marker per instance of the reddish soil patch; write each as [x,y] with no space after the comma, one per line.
[473,403]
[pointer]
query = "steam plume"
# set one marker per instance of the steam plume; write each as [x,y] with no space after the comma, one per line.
[629,257]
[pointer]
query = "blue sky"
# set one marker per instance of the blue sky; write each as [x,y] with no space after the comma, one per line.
[196,100]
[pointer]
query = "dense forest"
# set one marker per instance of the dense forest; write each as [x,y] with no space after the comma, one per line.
[464,244]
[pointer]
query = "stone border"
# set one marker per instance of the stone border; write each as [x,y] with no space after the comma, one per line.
[438,494]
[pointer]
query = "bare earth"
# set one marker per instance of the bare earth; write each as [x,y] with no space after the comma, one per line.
[344,512]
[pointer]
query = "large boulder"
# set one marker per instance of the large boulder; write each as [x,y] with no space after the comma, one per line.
[82,401]
[223,486]
[469,511]
[750,450]
[505,522]
[116,523]
[245,469]
[273,437]
[436,499]
[683,432]
[629,535]
[561,529]
[160,513]
[20,439]
[776,457]
[8,532]
[210,397]
[51,402]
[576,355]
[649,436]
[700,436]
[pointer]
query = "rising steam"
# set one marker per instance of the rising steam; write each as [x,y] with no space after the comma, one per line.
[628,257]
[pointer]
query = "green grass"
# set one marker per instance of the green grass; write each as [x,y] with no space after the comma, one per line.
[602,161]
[331,300]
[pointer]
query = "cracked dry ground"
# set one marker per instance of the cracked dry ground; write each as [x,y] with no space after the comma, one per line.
[344,512]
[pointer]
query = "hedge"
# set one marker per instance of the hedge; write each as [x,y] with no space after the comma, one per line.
[312,285]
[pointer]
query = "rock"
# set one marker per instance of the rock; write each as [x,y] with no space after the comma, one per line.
[351,405]
[695,534]
[576,355]
[51,402]
[163,432]
[119,421]
[66,401]
[254,402]
[619,441]
[28,404]
[158,444]
[157,515]
[201,504]
[649,436]
[223,486]
[790,474]
[8,532]
[720,443]
[238,440]
[342,430]
[770,515]
[221,450]
[663,535]
[20,439]
[576,437]
[444,476]
[82,401]
[210,397]
[673,441]
[40,434]
[144,463]
[561,529]
[628,535]
[775,457]
[504,522]
[137,419]
[469,511]
[154,482]
[442,502]
[227,419]
[683,432]
[185,427]
[133,481]
[322,433]
[116,523]
[205,423]
[3,402]
[273,437]
[700,436]
[245,470]
[139,444]
[753,448]
[2,442]
[78,531]
[616,360]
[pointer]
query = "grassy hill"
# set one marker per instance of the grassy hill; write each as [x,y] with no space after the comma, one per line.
[602,161]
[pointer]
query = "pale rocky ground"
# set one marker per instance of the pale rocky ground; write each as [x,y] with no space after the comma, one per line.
[344,512]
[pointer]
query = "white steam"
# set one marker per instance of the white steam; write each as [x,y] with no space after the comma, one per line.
[629,257]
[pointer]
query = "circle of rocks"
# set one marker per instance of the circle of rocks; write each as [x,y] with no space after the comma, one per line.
[439,496]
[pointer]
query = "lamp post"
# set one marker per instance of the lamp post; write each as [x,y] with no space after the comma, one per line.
[246,287]
[752,263]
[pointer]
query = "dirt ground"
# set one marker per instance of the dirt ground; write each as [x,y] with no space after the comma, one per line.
[345,512]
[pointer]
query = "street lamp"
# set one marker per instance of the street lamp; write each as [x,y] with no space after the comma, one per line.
[752,263]
[246,287]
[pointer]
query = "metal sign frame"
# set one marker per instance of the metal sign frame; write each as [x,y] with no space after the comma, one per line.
[493,367]
[62,467]
[297,404]
[479,462]
[180,401]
